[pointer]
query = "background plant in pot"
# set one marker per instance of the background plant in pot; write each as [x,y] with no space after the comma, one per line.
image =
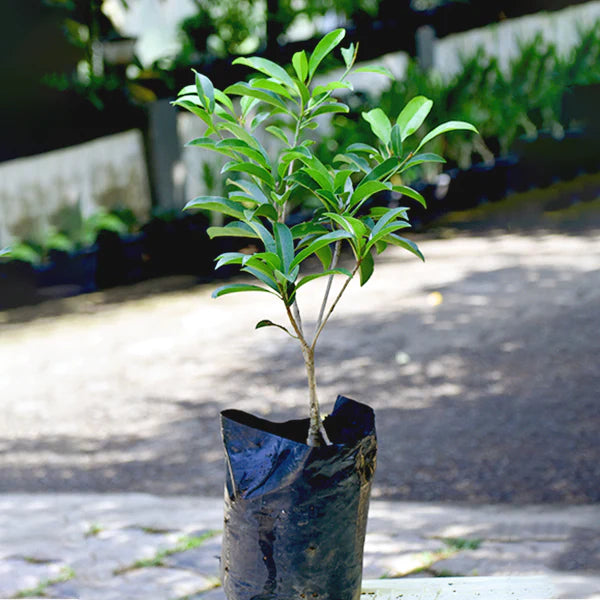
[297,492]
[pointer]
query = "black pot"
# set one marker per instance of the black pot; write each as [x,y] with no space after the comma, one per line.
[295,516]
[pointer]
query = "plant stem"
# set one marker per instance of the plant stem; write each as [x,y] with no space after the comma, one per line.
[317,436]
[333,305]
[334,261]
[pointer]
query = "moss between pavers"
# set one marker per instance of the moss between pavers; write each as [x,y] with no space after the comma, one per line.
[158,560]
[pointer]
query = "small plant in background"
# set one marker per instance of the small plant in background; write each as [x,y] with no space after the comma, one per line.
[284,105]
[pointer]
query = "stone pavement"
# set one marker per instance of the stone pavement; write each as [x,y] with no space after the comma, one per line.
[134,546]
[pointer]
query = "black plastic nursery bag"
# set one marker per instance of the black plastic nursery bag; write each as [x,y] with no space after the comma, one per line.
[295,516]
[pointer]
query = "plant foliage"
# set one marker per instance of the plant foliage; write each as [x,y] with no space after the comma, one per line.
[282,105]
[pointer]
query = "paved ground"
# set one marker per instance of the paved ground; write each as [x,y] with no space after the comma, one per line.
[482,365]
[134,547]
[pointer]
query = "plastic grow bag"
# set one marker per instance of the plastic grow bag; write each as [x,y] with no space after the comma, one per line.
[295,516]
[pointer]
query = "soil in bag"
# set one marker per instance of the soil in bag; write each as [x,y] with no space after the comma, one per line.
[295,516]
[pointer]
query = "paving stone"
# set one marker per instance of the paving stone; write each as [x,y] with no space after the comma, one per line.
[16,575]
[143,584]
[203,559]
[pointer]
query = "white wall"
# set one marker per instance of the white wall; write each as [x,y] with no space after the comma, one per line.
[103,173]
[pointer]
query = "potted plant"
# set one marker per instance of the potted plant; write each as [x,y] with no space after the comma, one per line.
[297,492]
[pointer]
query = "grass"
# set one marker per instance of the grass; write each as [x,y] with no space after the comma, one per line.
[158,560]
[40,590]
[93,530]
[428,559]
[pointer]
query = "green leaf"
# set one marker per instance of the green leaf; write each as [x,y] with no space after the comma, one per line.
[360,147]
[375,69]
[238,287]
[278,133]
[413,115]
[332,85]
[381,171]
[234,229]
[267,323]
[230,258]
[252,191]
[380,124]
[407,191]
[419,159]
[396,140]
[264,235]
[285,244]
[218,204]
[353,159]
[388,216]
[306,228]
[348,54]
[242,134]
[245,89]
[251,169]
[321,241]
[300,64]
[195,109]
[406,244]
[330,107]
[445,128]
[224,99]
[323,48]
[366,267]
[244,148]
[313,276]
[206,91]
[365,190]
[350,224]
[268,67]
[262,273]
[271,86]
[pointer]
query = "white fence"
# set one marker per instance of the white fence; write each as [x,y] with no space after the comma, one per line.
[104,173]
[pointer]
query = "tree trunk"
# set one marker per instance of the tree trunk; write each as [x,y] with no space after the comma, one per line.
[316,432]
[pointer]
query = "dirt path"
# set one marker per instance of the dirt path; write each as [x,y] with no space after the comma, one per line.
[483,366]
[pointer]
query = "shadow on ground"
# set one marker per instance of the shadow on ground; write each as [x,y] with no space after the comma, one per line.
[479,399]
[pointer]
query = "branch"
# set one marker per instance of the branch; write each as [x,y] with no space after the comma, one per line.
[334,261]
[331,309]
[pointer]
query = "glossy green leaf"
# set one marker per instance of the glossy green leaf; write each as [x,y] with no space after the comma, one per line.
[232,288]
[234,229]
[353,159]
[350,224]
[224,99]
[285,244]
[330,107]
[390,215]
[367,265]
[381,171]
[271,86]
[366,148]
[348,54]
[365,190]
[327,273]
[375,69]
[445,128]
[218,204]
[380,124]
[244,148]
[409,245]
[265,236]
[419,159]
[267,323]
[268,67]
[195,109]
[251,190]
[331,86]
[301,230]
[323,48]
[278,133]
[396,140]
[245,89]
[251,169]
[262,273]
[321,241]
[300,64]
[230,258]
[413,115]
[206,91]
[407,191]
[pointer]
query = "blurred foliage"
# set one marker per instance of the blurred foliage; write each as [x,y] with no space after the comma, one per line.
[521,100]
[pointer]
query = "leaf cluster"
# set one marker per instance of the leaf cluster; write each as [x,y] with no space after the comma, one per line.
[283,104]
